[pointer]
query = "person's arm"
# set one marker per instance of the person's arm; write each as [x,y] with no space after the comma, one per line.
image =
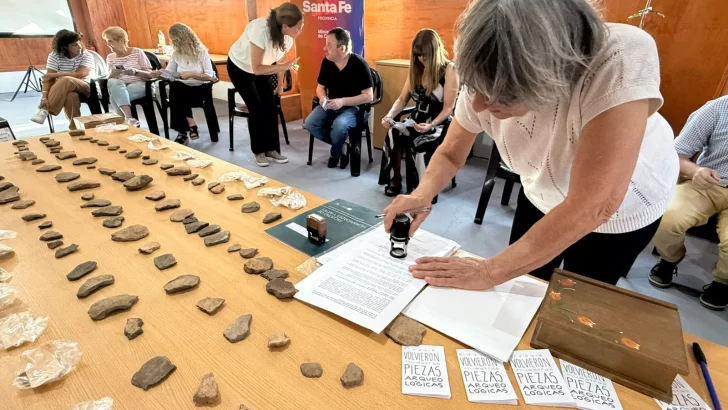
[693,137]
[145,67]
[281,84]
[450,95]
[320,93]
[256,61]
[365,97]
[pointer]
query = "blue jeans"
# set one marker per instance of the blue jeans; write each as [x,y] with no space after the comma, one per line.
[332,127]
[121,94]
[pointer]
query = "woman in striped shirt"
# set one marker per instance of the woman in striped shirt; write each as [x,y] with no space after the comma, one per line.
[129,68]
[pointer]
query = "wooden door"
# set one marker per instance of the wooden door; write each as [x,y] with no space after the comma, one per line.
[692,41]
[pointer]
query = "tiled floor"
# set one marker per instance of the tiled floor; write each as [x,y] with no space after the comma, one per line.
[453,215]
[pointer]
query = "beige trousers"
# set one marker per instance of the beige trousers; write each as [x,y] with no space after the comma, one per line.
[691,207]
[64,94]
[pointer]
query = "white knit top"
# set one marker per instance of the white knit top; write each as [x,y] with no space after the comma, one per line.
[541,145]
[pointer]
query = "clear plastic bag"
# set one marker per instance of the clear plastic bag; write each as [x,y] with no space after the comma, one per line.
[5,250]
[7,234]
[4,275]
[294,200]
[19,328]
[183,155]
[199,163]
[7,296]
[50,362]
[106,403]
[105,128]
[249,180]
[156,144]
[138,138]
[274,192]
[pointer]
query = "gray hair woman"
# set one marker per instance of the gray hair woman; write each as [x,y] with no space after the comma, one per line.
[571,103]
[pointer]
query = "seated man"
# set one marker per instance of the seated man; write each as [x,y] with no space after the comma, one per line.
[67,69]
[699,198]
[344,82]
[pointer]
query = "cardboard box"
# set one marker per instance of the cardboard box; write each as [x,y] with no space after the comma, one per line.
[91,121]
[632,339]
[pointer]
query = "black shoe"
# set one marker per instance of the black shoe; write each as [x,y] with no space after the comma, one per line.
[715,296]
[181,139]
[344,156]
[333,162]
[661,276]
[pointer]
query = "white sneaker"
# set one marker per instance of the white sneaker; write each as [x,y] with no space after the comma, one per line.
[261,160]
[133,122]
[40,116]
[276,157]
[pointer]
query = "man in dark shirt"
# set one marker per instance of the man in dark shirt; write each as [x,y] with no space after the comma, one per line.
[344,83]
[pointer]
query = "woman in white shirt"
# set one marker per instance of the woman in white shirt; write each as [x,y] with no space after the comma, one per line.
[252,62]
[571,103]
[192,61]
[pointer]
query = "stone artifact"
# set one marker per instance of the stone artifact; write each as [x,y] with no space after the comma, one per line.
[9,195]
[93,140]
[278,340]
[85,161]
[112,147]
[178,171]
[190,177]
[166,166]
[54,244]
[149,161]
[244,407]
[76,133]
[165,261]
[91,167]
[218,238]
[27,155]
[82,184]
[406,331]
[23,148]
[93,284]
[198,181]
[211,305]
[181,214]
[153,372]
[146,157]
[133,328]
[122,176]
[190,219]
[248,253]
[86,138]
[353,376]
[48,168]
[23,204]
[149,248]
[24,142]
[281,288]
[207,393]
[181,283]
[121,151]
[81,270]
[250,207]
[212,229]
[96,203]
[87,196]
[195,226]
[61,252]
[51,236]
[216,187]
[32,217]
[113,221]
[104,307]
[134,154]
[66,155]
[234,247]
[156,195]
[5,185]
[56,150]
[235,197]
[167,204]
[130,234]
[239,329]
[51,143]
[138,182]
[37,162]
[271,217]
[274,274]
[258,265]
[102,143]
[67,176]
[107,171]
[45,225]
[311,370]
[113,210]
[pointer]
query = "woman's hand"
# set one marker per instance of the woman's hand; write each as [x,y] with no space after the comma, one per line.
[290,65]
[43,103]
[387,122]
[404,203]
[187,75]
[115,73]
[423,127]
[155,74]
[453,272]
[704,178]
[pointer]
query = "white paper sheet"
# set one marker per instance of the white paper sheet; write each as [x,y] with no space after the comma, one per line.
[485,378]
[539,378]
[491,321]
[683,397]
[589,390]
[424,372]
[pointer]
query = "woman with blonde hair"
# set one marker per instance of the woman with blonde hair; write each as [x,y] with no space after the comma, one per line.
[129,68]
[191,61]
[433,84]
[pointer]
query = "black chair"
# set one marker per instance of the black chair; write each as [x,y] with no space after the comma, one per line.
[93,101]
[495,170]
[206,104]
[362,126]
[242,111]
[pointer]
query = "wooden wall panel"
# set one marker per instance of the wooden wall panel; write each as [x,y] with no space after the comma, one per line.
[137,24]
[82,20]
[103,14]
[16,54]
[37,50]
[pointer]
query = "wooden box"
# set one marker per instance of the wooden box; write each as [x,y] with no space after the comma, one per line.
[91,121]
[632,339]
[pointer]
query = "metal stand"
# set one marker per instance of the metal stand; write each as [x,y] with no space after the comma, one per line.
[34,84]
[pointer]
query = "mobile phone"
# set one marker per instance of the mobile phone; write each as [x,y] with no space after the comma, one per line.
[119,67]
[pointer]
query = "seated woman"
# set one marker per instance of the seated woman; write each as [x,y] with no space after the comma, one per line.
[65,82]
[129,67]
[433,84]
[192,62]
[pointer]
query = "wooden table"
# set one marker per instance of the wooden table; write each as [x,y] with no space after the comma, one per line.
[247,372]
[217,59]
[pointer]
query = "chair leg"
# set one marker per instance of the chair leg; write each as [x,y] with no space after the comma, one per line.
[454,183]
[310,150]
[51,127]
[231,118]
[165,121]
[507,190]
[355,152]
[490,177]
[369,144]
[133,110]
[151,116]
[283,124]
[213,126]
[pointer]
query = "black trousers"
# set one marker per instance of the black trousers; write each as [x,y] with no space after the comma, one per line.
[257,92]
[601,256]
[182,98]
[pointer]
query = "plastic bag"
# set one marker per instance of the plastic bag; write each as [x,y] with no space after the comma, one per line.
[5,250]
[110,128]
[294,200]
[249,180]
[274,192]
[19,328]
[156,144]
[183,155]
[6,234]
[4,275]
[139,138]
[7,296]
[199,163]
[47,363]
[107,403]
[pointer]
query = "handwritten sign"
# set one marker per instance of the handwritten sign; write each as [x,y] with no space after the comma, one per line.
[424,372]
[683,397]
[590,390]
[485,378]
[539,378]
